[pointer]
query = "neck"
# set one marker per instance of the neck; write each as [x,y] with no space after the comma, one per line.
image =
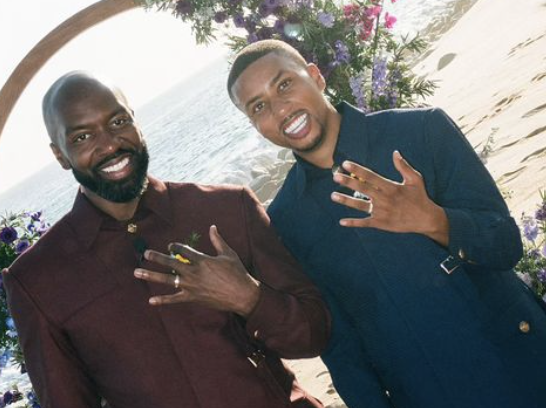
[118,211]
[323,155]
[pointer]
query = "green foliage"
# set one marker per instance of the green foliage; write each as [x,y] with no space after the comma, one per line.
[352,44]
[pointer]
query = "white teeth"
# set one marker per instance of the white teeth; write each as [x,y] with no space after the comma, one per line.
[297,125]
[116,167]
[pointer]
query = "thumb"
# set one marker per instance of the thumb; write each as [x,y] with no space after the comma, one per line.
[217,241]
[408,173]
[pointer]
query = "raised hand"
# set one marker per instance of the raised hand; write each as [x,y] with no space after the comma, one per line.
[220,282]
[393,206]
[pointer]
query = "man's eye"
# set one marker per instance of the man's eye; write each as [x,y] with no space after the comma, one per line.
[258,107]
[285,84]
[121,121]
[80,137]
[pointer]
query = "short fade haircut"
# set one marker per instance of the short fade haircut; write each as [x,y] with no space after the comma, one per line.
[257,50]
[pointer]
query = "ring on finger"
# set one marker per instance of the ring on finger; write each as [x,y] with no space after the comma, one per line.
[177,282]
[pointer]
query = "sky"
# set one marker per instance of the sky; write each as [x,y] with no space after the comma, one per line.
[143,52]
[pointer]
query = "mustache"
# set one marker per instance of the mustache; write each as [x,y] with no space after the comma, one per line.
[115,155]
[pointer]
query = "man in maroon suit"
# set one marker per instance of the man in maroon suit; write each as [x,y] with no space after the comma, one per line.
[90,331]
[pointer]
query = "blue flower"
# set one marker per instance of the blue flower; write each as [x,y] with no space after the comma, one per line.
[8,235]
[10,323]
[357,89]
[326,19]
[22,246]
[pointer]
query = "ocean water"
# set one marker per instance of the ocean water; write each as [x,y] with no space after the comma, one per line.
[195,134]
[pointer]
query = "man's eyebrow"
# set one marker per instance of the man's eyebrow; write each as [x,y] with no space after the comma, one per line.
[70,130]
[271,83]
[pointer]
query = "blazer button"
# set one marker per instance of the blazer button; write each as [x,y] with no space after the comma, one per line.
[462,255]
[524,327]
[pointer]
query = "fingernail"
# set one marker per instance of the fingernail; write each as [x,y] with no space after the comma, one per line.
[397,154]
[138,273]
[343,223]
[146,254]
[335,197]
[337,178]
[153,301]
[346,165]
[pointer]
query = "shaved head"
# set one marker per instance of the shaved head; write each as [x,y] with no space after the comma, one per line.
[71,87]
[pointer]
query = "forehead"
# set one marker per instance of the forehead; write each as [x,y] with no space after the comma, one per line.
[87,106]
[261,72]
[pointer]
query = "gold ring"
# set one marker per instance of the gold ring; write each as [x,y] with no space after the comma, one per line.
[177,282]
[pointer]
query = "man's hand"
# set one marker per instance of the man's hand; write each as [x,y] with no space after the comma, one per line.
[220,282]
[394,207]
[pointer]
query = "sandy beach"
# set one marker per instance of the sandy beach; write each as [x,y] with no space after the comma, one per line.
[491,72]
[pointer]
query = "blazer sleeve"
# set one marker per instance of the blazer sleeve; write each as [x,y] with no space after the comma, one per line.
[54,370]
[290,318]
[481,230]
[353,374]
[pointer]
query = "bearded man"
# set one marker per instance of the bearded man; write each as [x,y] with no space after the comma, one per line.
[91,300]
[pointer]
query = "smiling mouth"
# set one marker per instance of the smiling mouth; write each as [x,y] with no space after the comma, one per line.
[117,167]
[296,125]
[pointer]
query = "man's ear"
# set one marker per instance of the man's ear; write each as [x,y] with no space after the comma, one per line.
[60,157]
[314,72]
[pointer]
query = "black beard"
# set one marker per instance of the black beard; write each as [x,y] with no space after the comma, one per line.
[119,191]
[315,145]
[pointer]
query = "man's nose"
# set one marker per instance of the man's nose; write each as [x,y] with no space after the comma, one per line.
[108,142]
[280,107]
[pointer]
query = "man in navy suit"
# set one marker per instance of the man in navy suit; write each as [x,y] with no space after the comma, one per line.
[427,311]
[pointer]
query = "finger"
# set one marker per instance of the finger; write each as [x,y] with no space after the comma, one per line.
[356,185]
[365,174]
[185,253]
[178,297]
[358,222]
[356,203]
[156,277]
[221,246]
[161,259]
[408,173]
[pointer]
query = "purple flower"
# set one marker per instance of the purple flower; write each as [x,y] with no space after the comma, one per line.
[252,38]
[250,25]
[326,19]
[540,214]
[530,230]
[22,246]
[357,89]
[342,52]
[183,8]
[220,17]
[543,252]
[8,235]
[392,91]
[533,253]
[36,216]
[541,275]
[379,77]
[272,4]
[279,26]
[42,228]
[264,10]
[238,20]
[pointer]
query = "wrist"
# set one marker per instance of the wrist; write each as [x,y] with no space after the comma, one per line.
[437,228]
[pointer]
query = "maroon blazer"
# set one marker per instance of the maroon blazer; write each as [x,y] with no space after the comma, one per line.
[88,332]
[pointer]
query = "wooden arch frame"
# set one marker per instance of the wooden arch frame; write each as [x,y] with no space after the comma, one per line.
[49,45]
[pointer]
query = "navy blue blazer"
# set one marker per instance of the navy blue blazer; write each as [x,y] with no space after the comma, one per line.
[405,332]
